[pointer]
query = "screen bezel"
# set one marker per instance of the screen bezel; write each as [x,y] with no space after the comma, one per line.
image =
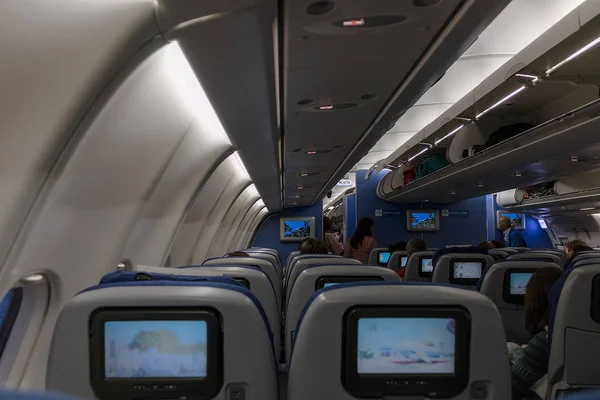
[320,283]
[380,385]
[311,221]
[466,281]
[422,273]
[518,299]
[409,228]
[155,388]
[379,254]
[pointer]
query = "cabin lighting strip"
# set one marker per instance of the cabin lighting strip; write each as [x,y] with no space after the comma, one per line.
[573,56]
[418,154]
[450,134]
[510,96]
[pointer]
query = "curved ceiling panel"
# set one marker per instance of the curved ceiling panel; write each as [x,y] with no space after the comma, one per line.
[241,233]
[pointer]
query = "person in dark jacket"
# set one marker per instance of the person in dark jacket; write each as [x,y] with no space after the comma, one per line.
[512,237]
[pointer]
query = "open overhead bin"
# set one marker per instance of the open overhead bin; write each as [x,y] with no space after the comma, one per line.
[532,121]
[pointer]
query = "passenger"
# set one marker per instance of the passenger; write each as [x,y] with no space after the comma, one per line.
[333,245]
[498,244]
[487,245]
[415,245]
[512,237]
[337,234]
[313,246]
[531,364]
[362,242]
[238,254]
[573,247]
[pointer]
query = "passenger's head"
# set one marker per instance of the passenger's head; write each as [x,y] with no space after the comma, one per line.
[504,223]
[400,246]
[238,254]
[415,245]
[313,246]
[498,244]
[486,245]
[327,224]
[536,298]
[574,246]
[363,228]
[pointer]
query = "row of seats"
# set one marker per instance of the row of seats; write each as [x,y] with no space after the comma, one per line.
[322,338]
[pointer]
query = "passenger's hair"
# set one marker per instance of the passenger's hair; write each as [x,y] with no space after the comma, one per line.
[577,245]
[363,228]
[327,224]
[505,220]
[400,246]
[498,244]
[536,298]
[486,245]
[415,245]
[313,246]
[238,254]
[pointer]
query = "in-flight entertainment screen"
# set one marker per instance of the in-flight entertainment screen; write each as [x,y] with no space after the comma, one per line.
[467,269]
[427,265]
[384,257]
[518,282]
[297,229]
[422,220]
[403,261]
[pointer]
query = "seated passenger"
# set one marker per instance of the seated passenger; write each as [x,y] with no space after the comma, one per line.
[531,364]
[573,248]
[334,246]
[512,237]
[487,245]
[313,246]
[413,246]
[238,254]
[362,242]
[498,244]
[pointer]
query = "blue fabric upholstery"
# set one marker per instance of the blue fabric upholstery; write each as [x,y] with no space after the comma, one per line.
[34,396]
[458,250]
[515,239]
[133,276]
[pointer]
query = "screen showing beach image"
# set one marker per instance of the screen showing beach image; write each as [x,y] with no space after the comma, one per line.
[384,257]
[427,264]
[296,229]
[406,345]
[155,349]
[518,282]
[467,269]
[403,261]
[423,220]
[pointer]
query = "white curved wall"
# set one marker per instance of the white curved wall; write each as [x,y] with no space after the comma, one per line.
[253,227]
[230,239]
[247,225]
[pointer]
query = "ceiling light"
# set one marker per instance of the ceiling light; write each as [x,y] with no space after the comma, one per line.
[574,158]
[354,22]
[328,107]
[304,174]
[527,76]
[516,92]
[453,192]
[330,208]
[574,55]
[448,135]
[311,152]
[480,185]
[33,278]
[300,187]
[418,154]
[587,208]
[517,173]
[240,163]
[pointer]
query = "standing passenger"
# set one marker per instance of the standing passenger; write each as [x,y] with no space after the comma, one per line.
[362,242]
[333,245]
[512,237]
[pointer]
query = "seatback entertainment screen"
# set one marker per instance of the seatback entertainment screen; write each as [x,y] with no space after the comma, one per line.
[466,272]
[383,258]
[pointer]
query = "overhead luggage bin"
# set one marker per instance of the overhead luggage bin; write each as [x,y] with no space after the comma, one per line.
[550,86]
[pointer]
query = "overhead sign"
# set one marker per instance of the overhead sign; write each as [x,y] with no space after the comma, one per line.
[345,182]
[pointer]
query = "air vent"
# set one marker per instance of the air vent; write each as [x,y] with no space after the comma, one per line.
[320,7]
[372,21]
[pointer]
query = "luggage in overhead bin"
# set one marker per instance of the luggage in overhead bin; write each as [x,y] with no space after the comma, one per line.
[500,135]
[409,175]
[430,164]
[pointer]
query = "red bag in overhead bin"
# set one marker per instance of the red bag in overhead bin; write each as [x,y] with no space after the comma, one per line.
[409,175]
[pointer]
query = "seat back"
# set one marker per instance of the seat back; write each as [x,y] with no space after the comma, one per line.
[534,256]
[328,347]
[461,269]
[510,250]
[574,361]
[291,257]
[300,256]
[398,260]
[418,266]
[151,312]
[561,254]
[504,283]
[266,255]
[304,263]
[519,249]
[314,278]
[374,256]
[265,265]
[498,254]
[586,255]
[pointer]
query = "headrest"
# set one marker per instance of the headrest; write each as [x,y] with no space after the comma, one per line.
[498,254]
[374,255]
[505,281]
[537,256]
[576,336]
[273,272]
[132,276]
[396,260]
[458,250]
[419,267]
[272,258]
[399,330]
[585,255]
[143,329]
[461,269]
[518,249]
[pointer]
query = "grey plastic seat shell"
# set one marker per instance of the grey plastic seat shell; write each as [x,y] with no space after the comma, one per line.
[300,256]
[532,256]
[395,260]
[590,260]
[585,256]
[513,317]
[265,265]
[303,264]
[442,270]
[291,257]
[518,249]
[373,255]
[574,361]
[304,288]
[316,367]
[265,256]
[561,254]
[68,369]
[500,252]
[411,274]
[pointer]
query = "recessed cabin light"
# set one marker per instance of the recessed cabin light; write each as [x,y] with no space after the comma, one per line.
[448,135]
[526,76]
[574,158]
[504,100]
[480,185]
[574,55]
[354,22]
[587,209]
[418,154]
[300,187]
[304,174]
[453,192]
[517,173]
[311,152]
[327,107]
[33,278]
